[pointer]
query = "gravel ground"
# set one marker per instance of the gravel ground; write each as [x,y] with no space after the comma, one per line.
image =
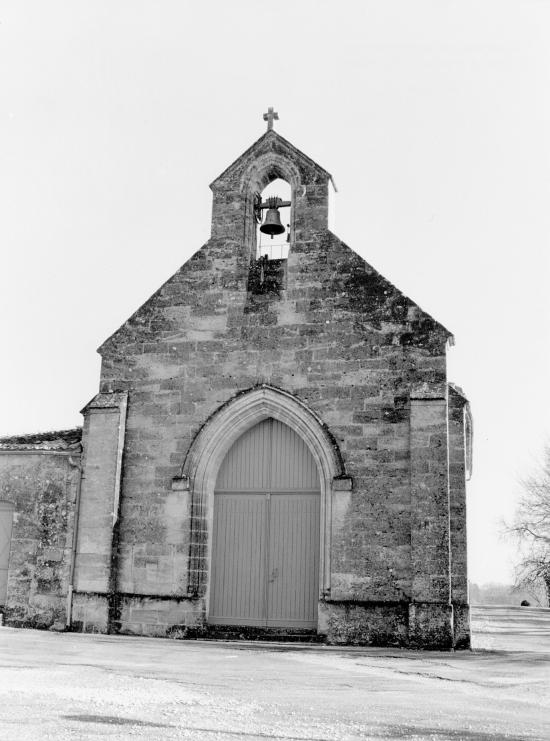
[73,686]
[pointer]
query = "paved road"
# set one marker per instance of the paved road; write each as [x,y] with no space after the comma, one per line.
[71,686]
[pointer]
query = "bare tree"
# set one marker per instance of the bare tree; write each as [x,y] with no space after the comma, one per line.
[531,525]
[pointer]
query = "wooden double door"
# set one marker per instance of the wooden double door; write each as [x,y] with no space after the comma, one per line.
[265,540]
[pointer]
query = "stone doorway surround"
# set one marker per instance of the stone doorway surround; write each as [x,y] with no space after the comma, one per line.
[209,449]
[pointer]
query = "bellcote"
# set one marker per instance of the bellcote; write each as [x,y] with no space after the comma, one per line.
[237,189]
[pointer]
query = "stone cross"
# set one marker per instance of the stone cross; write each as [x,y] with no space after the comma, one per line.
[270,116]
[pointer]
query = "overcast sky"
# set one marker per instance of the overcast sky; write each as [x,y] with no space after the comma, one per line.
[433,117]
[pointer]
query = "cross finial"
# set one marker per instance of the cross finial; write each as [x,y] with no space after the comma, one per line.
[270,116]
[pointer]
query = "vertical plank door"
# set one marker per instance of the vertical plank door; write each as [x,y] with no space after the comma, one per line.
[238,560]
[292,589]
[265,540]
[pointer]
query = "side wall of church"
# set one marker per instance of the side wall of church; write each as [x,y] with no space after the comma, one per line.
[42,486]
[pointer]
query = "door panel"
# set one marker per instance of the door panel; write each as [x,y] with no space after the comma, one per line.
[292,465]
[293,560]
[238,560]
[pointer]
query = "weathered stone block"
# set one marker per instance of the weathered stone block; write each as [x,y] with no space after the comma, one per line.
[90,613]
[431,626]
[357,624]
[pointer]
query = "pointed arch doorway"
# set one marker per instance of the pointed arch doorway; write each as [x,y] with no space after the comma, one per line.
[265,531]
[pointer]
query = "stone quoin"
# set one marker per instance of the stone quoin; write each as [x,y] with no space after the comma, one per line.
[274,449]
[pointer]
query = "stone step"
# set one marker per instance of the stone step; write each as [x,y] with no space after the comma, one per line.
[253,633]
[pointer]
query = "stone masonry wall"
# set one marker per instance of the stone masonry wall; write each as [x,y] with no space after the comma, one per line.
[42,486]
[336,334]
[339,338]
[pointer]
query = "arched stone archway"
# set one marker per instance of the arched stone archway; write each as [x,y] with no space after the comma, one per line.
[262,172]
[268,167]
[210,447]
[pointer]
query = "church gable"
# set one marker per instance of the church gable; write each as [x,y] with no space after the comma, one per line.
[229,278]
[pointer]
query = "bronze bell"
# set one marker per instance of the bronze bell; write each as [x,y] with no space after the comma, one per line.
[272,224]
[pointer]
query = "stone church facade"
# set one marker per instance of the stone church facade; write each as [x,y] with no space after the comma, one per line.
[274,447]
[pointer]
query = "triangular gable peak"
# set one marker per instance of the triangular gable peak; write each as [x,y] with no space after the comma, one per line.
[234,234]
[271,156]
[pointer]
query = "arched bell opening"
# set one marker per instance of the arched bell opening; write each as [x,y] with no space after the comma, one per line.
[268,176]
[273,212]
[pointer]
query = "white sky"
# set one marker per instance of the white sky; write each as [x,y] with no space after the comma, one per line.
[433,117]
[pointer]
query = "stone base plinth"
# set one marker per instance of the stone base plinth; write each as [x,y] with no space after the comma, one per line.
[419,625]
[431,625]
[461,623]
[364,623]
[177,617]
[423,625]
[90,613]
